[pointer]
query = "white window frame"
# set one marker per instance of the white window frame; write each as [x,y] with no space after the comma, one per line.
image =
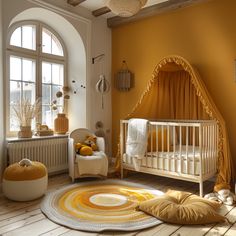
[36,55]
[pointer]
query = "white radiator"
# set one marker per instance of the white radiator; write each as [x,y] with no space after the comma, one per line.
[53,152]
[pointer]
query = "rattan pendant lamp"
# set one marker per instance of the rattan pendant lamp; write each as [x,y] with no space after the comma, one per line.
[125,8]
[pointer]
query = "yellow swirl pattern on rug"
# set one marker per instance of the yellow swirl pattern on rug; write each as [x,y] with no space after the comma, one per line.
[104,203]
[97,206]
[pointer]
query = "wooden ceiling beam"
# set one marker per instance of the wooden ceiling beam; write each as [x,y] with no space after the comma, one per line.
[152,11]
[74,3]
[101,11]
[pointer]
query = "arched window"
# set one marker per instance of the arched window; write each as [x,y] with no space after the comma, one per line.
[36,60]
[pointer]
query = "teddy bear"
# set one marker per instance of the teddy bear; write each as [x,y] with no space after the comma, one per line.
[83,150]
[222,194]
[91,142]
[87,147]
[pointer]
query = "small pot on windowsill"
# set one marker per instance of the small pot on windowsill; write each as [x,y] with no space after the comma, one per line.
[25,132]
[61,124]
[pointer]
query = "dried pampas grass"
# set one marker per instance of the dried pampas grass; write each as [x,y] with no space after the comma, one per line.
[25,111]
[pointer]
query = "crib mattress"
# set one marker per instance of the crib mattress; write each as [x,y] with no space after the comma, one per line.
[172,161]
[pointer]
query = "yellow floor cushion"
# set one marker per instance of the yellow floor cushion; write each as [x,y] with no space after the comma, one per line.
[25,170]
[25,181]
[182,208]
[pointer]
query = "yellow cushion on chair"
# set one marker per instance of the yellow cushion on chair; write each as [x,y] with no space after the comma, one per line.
[182,208]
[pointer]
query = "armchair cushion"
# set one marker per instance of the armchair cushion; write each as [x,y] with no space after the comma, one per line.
[97,164]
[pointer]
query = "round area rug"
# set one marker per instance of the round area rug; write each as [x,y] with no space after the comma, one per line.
[100,205]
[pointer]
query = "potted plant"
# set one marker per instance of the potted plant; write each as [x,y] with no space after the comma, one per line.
[25,112]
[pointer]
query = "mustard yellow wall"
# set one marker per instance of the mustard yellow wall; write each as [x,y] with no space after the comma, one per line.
[204,34]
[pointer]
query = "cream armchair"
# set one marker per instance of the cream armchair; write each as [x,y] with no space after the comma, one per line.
[86,166]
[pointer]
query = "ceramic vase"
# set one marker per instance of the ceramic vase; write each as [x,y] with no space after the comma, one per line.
[61,124]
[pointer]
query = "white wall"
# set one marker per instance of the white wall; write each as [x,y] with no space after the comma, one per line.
[1,96]
[96,38]
[101,44]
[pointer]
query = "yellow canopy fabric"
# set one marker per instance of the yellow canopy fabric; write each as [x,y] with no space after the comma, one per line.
[176,91]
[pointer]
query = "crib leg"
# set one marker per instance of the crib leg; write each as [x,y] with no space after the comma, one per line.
[201,188]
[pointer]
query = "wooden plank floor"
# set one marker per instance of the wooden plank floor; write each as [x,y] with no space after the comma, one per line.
[26,219]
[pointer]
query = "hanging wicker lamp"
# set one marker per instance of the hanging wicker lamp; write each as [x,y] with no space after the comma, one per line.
[125,8]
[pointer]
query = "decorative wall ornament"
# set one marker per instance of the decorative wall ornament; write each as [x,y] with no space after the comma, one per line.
[76,87]
[102,87]
[124,78]
[125,8]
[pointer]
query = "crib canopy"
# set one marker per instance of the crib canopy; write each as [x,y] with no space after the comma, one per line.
[176,91]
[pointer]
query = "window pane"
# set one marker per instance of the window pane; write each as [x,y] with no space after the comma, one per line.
[48,116]
[56,46]
[24,37]
[47,43]
[16,38]
[51,44]
[46,72]
[15,92]
[15,68]
[28,37]
[29,91]
[46,94]
[57,74]
[28,70]
[14,124]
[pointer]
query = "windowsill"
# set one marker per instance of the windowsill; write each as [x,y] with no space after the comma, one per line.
[16,139]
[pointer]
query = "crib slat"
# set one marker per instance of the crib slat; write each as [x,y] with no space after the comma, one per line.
[216,145]
[180,149]
[157,148]
[212,147]
[194,159]
[168,148]
[122,140]
[174,145]
[208,149]
[152,159]
[187,155]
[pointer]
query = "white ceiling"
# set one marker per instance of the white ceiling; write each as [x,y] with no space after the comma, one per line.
[96,4]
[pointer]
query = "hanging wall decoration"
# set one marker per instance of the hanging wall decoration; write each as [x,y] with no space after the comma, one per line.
[124,78]
[102,87]
[76,87]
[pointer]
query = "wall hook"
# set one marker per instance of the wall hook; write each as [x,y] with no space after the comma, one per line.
[94,58]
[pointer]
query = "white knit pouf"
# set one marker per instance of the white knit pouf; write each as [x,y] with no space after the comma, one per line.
[25,181]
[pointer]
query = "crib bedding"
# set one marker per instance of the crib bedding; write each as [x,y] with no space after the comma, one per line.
[188,167]
[173,161]
[190,152]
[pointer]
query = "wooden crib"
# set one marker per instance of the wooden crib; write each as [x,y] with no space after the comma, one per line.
[181,149]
